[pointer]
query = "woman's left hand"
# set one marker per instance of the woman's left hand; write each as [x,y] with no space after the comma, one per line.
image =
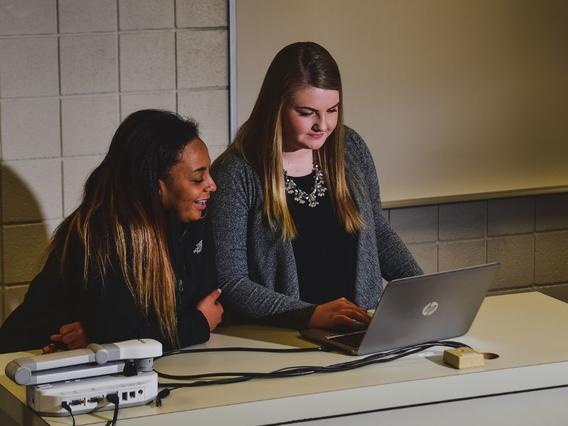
[211,308]
[70,336]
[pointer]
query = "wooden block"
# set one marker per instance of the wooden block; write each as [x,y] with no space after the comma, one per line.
[463,358]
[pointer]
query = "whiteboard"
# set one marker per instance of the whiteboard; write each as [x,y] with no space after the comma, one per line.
[456,99]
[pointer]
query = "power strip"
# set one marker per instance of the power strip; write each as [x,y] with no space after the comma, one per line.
[87,395]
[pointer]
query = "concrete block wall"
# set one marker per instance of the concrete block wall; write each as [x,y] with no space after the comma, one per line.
[70,71]
[527,235]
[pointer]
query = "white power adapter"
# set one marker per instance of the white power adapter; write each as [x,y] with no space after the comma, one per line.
[87,395]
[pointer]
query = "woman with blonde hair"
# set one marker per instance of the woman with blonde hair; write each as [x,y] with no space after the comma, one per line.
[299,233]
[134,260]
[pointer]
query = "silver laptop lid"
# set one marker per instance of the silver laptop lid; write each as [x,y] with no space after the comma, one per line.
[427,307]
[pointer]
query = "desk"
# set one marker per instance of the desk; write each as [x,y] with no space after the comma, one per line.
[527,384]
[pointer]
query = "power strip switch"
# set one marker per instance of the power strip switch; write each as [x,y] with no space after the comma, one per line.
[87,395]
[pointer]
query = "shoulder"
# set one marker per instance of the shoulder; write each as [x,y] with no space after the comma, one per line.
[67,250]
[234,174]
[355,147]
[231,165]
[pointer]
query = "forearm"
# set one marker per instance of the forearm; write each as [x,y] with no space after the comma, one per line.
[254,301]
[109,313]
[25,329]
[45,308]
[193,328]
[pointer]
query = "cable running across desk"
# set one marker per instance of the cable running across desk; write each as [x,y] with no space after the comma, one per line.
[241,349]
[219,378]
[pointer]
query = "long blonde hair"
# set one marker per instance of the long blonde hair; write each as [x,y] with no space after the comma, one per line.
[121,219]
[259,139]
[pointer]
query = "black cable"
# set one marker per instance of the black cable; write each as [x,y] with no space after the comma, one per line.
[67,407]
[164,393]
[302,370]
[241,349]
[113,399]
[207,379]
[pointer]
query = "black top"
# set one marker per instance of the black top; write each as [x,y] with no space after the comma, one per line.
[106,307]
[325,252]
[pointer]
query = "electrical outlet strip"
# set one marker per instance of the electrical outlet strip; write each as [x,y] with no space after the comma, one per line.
[87,395]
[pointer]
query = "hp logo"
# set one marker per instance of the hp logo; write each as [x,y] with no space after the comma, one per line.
[429,309]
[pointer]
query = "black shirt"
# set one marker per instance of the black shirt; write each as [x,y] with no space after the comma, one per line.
[324,251]
[106,307]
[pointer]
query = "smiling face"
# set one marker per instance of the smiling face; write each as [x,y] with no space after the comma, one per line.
[309,118]
[188,184]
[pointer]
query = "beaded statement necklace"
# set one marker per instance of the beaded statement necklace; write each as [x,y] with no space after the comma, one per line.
[301,196]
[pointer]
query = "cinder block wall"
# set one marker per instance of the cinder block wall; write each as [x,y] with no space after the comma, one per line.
[527,235]
[70,70]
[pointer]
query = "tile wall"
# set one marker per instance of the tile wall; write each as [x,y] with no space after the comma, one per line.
[527,235]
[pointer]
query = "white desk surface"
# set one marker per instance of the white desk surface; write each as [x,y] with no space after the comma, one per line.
[527,330]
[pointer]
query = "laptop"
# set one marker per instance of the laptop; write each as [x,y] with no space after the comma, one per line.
[416,310]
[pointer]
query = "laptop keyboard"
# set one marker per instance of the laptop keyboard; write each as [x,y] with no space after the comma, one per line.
[351,339]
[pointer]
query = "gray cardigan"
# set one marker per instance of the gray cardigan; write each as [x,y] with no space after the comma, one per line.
[256,268]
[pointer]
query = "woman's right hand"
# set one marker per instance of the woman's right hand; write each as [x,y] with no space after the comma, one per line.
[211,308]
[339,312]
[70,336]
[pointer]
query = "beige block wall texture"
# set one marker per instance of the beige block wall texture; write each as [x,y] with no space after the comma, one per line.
[71,70]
